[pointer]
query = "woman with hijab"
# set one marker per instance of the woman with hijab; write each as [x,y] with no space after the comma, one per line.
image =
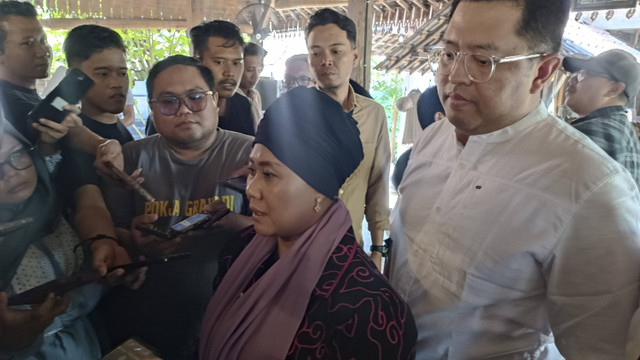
[297,285]
[30,255]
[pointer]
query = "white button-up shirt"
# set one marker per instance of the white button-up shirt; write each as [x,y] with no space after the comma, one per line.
[524,234]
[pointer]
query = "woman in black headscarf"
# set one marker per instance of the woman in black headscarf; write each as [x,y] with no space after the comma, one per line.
[31,254]
[298,285]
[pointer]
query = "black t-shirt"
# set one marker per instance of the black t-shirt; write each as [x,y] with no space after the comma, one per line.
[77,166]
[239,117]
[17,102]
[115,131]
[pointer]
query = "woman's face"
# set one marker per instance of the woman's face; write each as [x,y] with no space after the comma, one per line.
[282,203]
[16,186]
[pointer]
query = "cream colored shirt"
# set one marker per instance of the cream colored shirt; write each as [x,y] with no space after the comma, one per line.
[256,105]
[523,244]
[366,191]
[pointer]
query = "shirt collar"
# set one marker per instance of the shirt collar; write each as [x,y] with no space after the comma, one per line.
[351,102]
[537,114]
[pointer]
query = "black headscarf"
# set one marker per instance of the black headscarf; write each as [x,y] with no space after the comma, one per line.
[41,206]
[314,137]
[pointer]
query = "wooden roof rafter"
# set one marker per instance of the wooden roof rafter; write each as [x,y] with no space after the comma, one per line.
[402,55]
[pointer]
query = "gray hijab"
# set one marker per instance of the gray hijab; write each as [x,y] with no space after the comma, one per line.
[42,206]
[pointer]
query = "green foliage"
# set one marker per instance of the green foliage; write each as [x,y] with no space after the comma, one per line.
[144,48]
[386,88]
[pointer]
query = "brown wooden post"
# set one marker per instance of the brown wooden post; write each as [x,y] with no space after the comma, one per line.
[361,12]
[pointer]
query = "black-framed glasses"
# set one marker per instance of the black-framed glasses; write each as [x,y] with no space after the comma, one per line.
[302,80]
[18,160]
[479,67]
[169,105]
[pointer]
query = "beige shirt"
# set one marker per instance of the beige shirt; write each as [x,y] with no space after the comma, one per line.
[256,105]
[366,191]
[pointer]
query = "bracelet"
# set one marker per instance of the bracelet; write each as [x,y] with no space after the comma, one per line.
[94,238]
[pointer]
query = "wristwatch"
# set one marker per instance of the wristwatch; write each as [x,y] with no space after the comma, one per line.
[382,249]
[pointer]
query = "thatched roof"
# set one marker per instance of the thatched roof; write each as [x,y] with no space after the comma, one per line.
[181,14]
[402,29]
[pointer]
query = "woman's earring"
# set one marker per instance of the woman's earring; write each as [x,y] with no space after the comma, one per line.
[317,207]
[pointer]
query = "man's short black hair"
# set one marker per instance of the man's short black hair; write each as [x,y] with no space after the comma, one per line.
[329,16]
[253,49]
[200,35]
[85,40]
[164,64]
[14,8]
[541,25]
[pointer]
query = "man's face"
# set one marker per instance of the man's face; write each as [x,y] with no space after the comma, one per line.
[487,28]
[297,74]
[108,70]
[186,129]
[331,56]
[253,66]
[226,64]
[27,54]
[589,94]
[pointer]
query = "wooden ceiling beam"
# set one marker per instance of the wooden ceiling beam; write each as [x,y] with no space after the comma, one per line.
[420,4]
[405,5]
[296,4]
[67,24]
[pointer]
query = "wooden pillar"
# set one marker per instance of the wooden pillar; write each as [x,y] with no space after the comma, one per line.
[195,12]
[361,12]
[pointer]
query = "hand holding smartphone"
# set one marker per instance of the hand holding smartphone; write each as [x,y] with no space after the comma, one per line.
[70,91]
[182,227]
[63,285]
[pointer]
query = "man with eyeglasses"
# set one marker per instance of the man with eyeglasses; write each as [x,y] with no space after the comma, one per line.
[599,91]
[183,167]
[515,236]
[297,73]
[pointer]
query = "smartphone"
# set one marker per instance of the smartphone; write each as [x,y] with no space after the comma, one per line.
[70,91]
[63,285]
[152,230]
[190,223]
[58,286]
[159,260]
[130,182]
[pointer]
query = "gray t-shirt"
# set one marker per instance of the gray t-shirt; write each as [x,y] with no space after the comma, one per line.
[167,309]
[181,187]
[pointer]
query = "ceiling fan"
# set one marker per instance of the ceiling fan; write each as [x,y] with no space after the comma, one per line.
[259,20]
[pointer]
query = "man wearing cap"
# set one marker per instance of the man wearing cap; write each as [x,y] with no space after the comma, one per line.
[599,91]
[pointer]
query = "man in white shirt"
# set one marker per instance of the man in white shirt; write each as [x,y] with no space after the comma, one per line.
[516,237]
